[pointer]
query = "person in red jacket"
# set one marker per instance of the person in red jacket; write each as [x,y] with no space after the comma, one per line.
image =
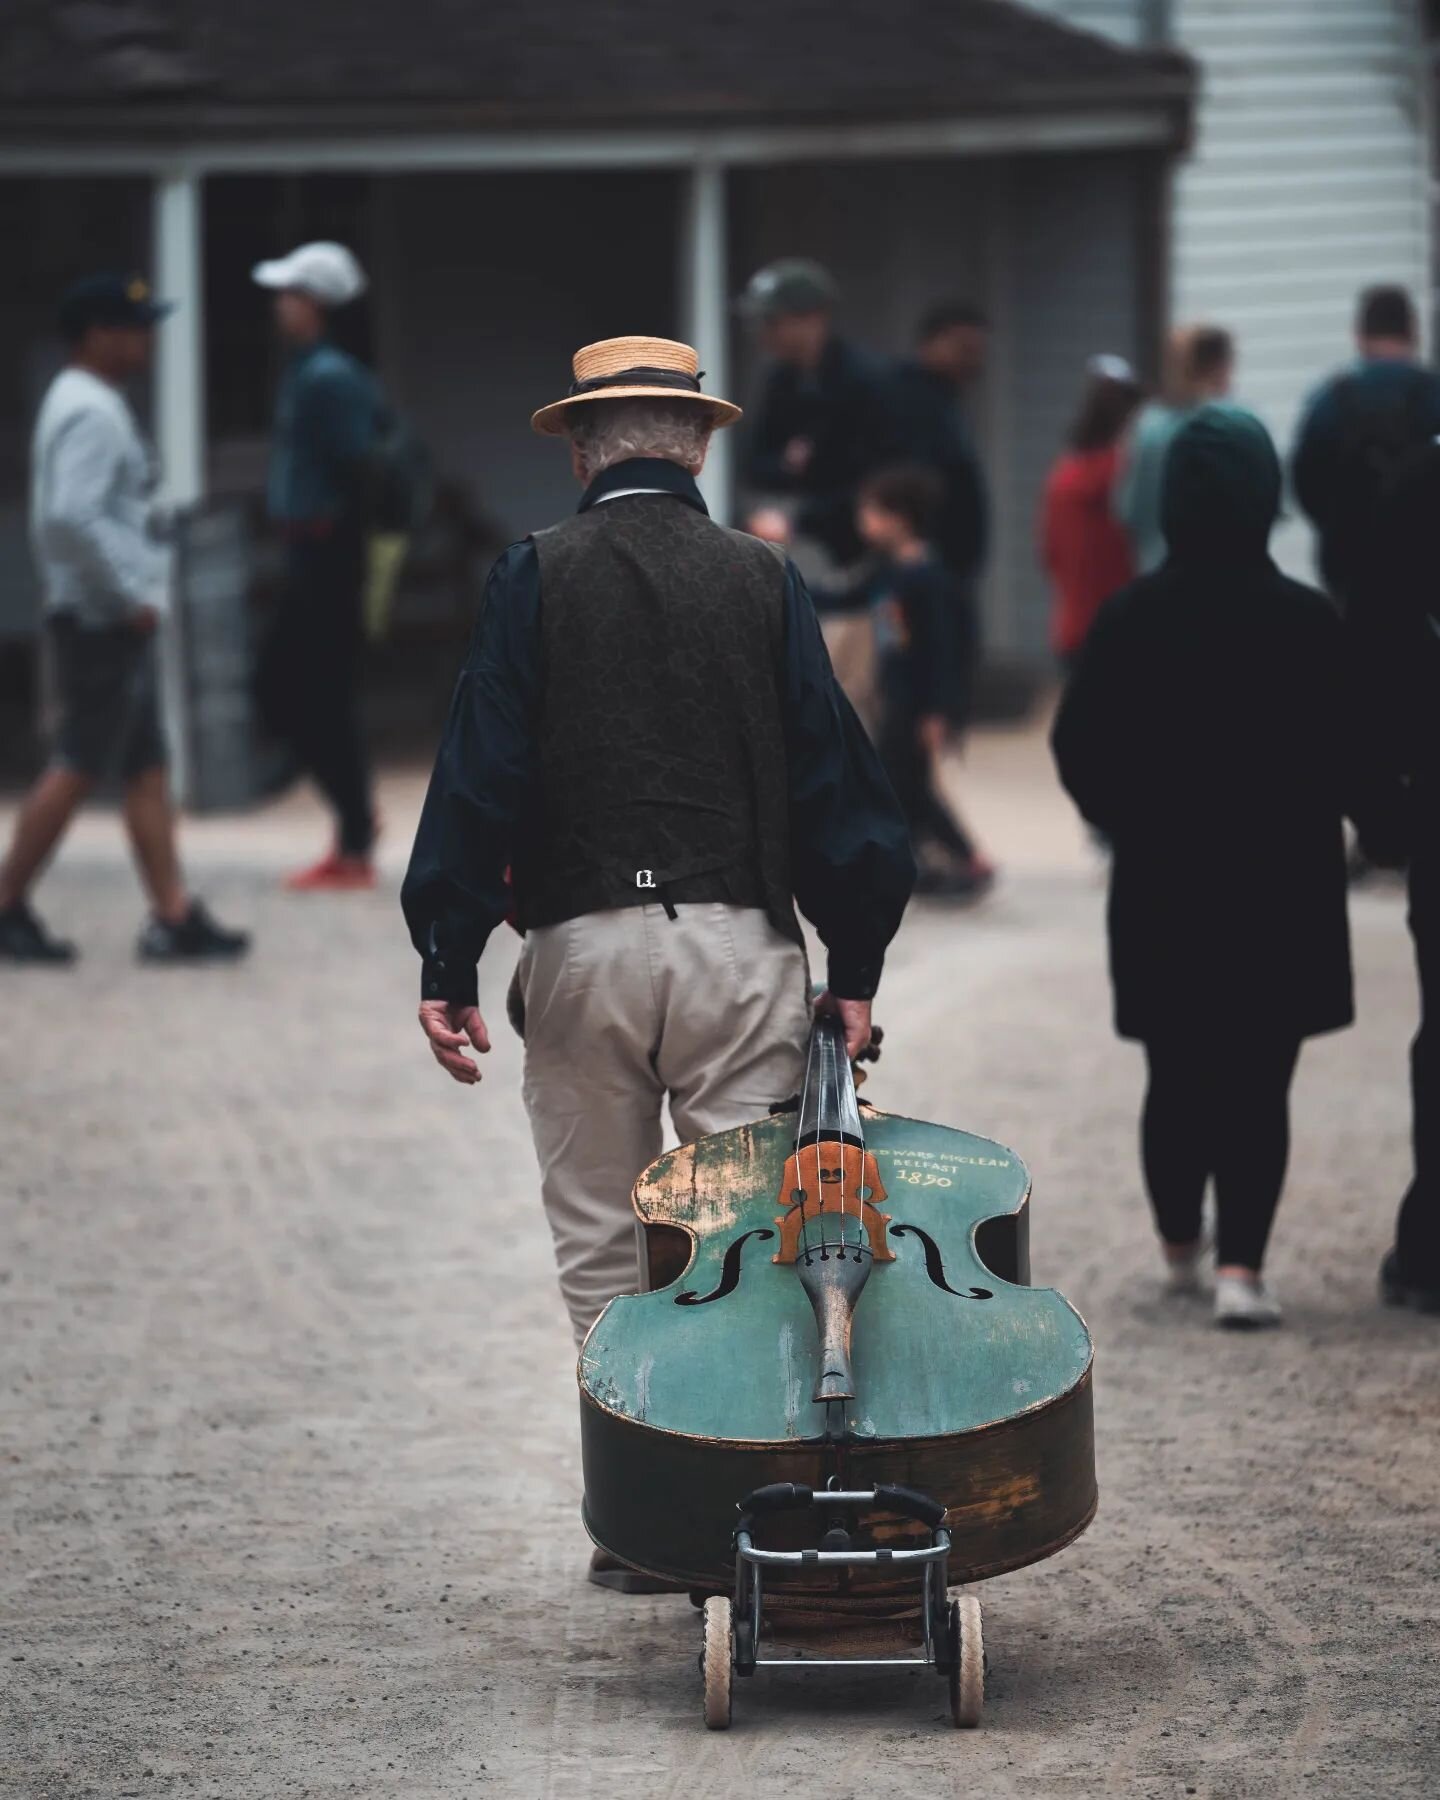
[1083,546]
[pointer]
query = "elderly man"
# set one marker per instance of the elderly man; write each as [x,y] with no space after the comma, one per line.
[648,735]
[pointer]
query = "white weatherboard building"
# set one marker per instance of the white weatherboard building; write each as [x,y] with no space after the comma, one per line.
[1309,178]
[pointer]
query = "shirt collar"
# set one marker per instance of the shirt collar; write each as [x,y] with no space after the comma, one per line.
[644,474]
[300,354]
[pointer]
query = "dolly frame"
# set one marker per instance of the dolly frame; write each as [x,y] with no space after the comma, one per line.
[951,1630]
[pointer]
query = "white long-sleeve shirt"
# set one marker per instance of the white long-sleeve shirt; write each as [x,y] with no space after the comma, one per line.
[92,487]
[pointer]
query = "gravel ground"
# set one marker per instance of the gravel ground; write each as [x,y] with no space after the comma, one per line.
[290,1486]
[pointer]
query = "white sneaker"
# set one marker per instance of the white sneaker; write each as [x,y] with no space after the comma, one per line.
[1245,1305]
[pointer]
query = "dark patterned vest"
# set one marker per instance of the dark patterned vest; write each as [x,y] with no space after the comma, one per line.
[662,770]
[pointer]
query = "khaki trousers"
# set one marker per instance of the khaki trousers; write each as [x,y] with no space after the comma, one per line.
[622,1009]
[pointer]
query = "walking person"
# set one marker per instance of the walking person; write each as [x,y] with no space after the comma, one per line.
[1393,631]
[1200,368]
[928,394]
[1358,432]
[659,824]
[327,416]
[1209,706]
[925,642]
[1083,547]
[105,576]
[819,426]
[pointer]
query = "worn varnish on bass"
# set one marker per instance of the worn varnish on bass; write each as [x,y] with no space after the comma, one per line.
[851,1307]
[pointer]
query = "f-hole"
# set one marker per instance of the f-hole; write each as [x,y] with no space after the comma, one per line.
[729,1271]
[935,1264]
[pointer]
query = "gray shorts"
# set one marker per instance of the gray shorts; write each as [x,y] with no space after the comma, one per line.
[107,682]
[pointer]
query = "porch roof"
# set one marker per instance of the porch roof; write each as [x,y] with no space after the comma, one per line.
[204,73]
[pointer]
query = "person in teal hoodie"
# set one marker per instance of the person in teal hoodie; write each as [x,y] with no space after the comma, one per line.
[1201,367]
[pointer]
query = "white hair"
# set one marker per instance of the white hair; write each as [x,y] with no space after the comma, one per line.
[605,432]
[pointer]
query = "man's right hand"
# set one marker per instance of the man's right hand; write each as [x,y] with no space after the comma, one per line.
[854,1015]
[450,1029]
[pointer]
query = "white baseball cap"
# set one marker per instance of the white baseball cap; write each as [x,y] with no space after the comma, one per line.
[329,273]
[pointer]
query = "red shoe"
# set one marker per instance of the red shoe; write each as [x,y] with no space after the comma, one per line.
[333,874]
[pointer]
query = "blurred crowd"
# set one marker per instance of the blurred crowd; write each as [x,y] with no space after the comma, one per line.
[1219,722]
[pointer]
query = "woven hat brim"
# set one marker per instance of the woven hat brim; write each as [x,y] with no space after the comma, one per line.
[550,420]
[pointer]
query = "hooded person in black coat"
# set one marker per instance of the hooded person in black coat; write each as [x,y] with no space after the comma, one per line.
[1393,628]
[1209,709]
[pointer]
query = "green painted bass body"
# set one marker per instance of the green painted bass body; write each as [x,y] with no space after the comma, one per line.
[961,1380]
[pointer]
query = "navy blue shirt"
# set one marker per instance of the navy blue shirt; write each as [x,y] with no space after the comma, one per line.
[326,418]
[927,423]
[851,864]
[1358,433]
[839,408]
[925,638]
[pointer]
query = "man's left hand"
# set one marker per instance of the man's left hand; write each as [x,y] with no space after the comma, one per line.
[450,1028]
[854,1015]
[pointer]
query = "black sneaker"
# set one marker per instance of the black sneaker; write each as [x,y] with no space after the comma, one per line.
[1395,1290]
[196,938]
[23,939]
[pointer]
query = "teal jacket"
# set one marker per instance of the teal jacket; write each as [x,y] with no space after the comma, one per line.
[326,419]
[1138,492]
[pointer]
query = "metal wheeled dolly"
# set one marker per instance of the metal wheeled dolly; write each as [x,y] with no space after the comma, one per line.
[951,1631]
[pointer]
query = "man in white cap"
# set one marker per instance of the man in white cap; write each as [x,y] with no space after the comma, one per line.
[327,416]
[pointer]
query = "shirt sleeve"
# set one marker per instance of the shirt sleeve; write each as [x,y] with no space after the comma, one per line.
[852,868]
[128,567]
[1093,740]
[456,889]
[774,424]
[1311,467]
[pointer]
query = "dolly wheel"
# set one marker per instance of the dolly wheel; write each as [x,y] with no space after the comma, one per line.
[967,1661]
[717,1661]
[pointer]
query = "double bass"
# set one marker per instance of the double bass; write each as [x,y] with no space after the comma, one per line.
[839,1299]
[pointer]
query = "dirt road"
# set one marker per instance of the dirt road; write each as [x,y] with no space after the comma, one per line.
[290,1489]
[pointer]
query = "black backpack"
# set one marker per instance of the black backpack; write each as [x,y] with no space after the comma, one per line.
[1381,436]
[398,488]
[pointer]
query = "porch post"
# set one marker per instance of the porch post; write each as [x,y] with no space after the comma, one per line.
[180,340]
[704,308]
[179,397]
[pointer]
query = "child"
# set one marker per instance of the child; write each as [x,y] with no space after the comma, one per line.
[925,641]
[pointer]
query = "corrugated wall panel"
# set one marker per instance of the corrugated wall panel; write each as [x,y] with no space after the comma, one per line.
[1280,215]
[1309,180]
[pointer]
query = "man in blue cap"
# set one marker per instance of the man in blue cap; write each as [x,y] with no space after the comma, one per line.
[821,424]
[106,580]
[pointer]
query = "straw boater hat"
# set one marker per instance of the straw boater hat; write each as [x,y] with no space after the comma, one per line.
[632,368]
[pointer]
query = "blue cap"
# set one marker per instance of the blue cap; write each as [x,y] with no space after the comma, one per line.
[110,299]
